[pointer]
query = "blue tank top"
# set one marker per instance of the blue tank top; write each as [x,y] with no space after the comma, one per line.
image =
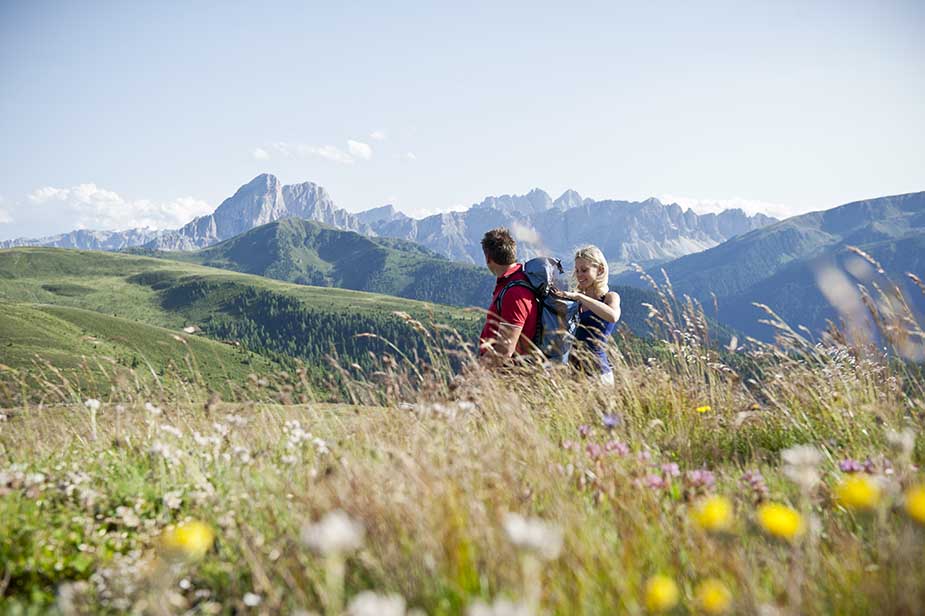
[594,332]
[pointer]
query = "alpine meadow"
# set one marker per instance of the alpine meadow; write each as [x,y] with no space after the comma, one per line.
[478,309]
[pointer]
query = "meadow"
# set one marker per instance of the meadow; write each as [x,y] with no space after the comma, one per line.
[773,479]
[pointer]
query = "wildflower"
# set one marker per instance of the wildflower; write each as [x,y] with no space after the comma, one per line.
[655,482]
[190,540]
[533,535]
[93,404]
[801,465]
[671,469]
[713,597]
[700,478]
[857,492]
[902,442]
[594,451]
[152,410]
[914,503]
[661,593]
[849,465]
[618,447]
[336,533]
[368,603]
[584,430]
[251,599]
[173,500]
[781,521]
[706,408]
[755,480]
[713,514]
[611,421]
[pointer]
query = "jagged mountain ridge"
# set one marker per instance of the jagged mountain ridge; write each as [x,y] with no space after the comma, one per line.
[85,239]
[647,232]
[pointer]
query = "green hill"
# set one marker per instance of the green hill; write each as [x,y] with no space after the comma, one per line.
[779,265]
[278,320]
[306,252]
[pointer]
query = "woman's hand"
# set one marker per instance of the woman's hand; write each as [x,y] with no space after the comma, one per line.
[571,295]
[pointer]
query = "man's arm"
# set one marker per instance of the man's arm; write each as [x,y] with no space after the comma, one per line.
[503,346]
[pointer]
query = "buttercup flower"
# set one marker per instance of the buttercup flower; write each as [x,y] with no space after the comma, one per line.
[713,514]
[713,597]
[190,540]
[781,521]
[914,503]
[857,492]
[661,594]
[706,408]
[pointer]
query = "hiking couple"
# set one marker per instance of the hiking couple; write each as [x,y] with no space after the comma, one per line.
[515,315]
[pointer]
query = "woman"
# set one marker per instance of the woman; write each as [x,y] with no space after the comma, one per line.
[599,310]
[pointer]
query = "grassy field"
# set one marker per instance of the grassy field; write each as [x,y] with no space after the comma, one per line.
[689,487]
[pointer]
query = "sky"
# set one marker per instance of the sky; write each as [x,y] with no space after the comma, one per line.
[122,114]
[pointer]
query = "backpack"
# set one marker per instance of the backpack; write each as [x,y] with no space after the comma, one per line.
[558,318]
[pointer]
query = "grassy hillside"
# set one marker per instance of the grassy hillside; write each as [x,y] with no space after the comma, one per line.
[276,319]
[306,252]
[82,351]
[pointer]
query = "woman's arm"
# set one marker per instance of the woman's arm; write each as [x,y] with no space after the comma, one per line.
[609,309]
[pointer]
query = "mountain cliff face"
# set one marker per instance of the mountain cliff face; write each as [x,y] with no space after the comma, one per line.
[90,240]
[781,265]
[646,232]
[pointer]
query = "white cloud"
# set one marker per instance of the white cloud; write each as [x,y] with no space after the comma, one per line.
[303,150]
[89,206]
[378,135]
[5,217]
[359,149]
[332,153]
[261,154]
[410,156]
[749,206]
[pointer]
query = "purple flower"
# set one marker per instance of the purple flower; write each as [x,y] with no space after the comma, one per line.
[869,466]
[567,445]
[618,447]
[611,421]
[671,469]
[584,430]
[849,465]
[594,450]
[701,478]
[644,456]
[655,482]
[754,480]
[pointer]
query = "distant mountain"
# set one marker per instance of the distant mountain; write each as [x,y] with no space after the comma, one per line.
[779,265]
[90,240]
[645,232]
[306,252]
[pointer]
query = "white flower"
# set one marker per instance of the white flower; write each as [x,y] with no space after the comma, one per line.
[173,500]
[251,600]
[501,607]
[93,404]
[368,603]
[171,430]
[153,410]
[336,533]
[801,465]
[533,534]
[902,442]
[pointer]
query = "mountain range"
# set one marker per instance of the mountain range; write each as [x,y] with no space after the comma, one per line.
[800,266]
[646,232]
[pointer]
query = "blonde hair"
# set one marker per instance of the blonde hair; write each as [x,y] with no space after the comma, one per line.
[592,254]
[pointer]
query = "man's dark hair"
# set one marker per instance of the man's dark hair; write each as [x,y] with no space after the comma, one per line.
[499,246]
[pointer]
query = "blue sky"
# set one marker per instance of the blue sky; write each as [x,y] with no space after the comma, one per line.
[131,113]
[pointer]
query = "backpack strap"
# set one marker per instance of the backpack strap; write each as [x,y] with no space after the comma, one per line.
[520,283]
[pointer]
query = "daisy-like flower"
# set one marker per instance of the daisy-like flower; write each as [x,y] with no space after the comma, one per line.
[93,404]
[661,594]
[713,514]
[368,603]
[914,503]
[335,533]
[781,521]
[801,465]
[533,535]
[857,492]
[713,597]
[188,541]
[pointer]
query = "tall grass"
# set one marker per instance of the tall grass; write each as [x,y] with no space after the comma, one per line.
[465,482]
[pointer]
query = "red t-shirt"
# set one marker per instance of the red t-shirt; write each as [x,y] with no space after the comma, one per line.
[519,308]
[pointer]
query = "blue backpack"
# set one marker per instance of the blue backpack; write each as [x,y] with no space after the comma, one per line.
[558,319]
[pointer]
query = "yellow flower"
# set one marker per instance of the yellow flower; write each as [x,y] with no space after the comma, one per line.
[661,593]
[190,540]
[713,514]
[857,492]
[915,503]
[713,597]
[706,408]
[781,521]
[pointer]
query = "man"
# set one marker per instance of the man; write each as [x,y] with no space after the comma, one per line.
[511,330]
